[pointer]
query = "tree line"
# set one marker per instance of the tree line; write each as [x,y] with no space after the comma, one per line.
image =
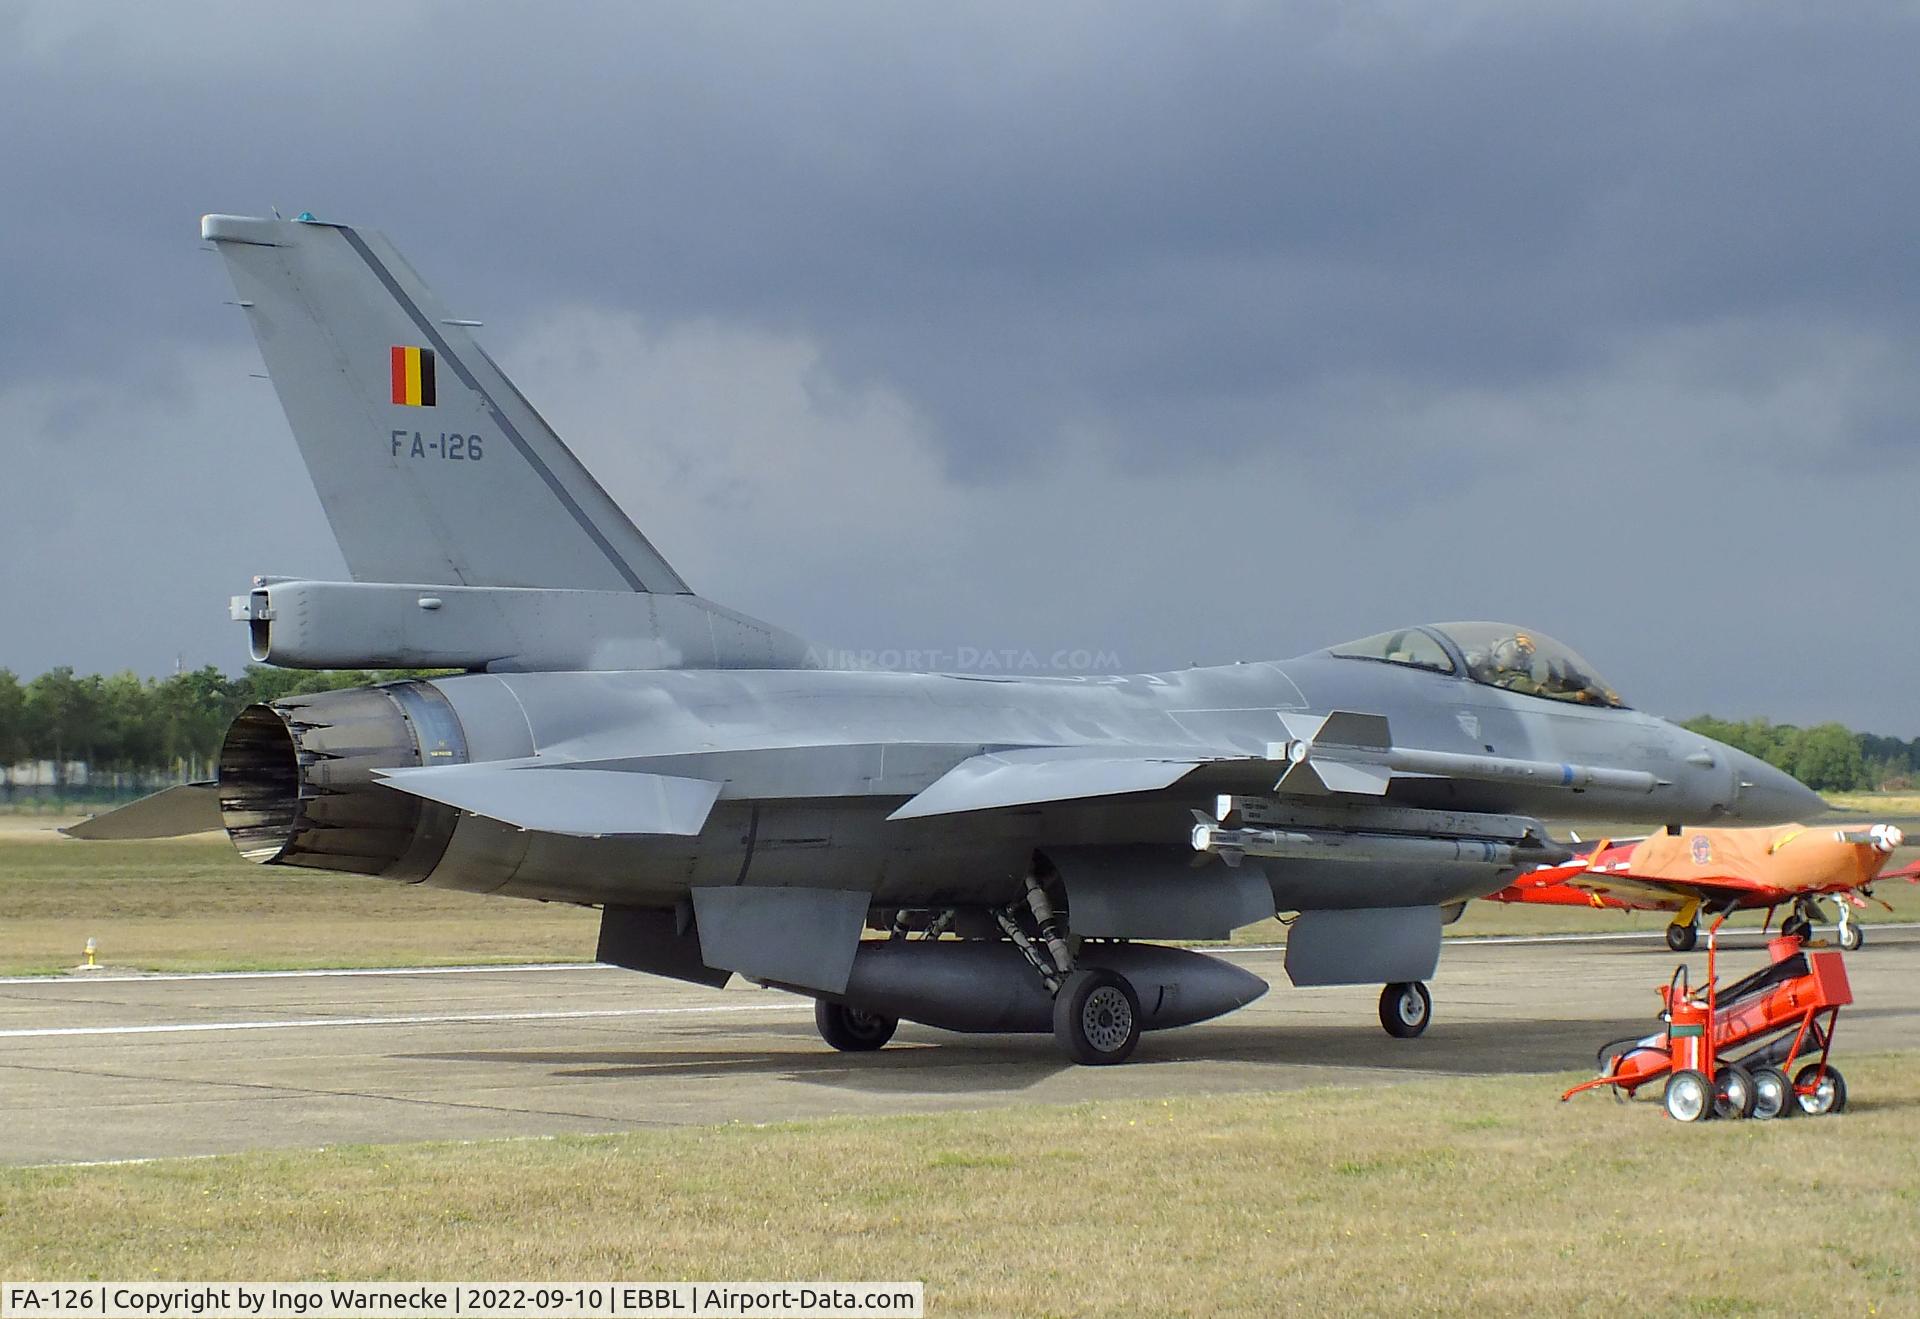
[1826,757]
[122,722]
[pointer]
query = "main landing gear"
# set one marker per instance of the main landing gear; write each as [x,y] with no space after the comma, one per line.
[1096,1014]
[1681,938]
[1405,1009]
[849,1029]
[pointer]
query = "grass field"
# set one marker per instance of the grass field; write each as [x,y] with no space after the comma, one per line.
[1469,1197]
[194,905]
[1895,807]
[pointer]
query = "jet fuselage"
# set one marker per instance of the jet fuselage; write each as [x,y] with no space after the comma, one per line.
[813,762]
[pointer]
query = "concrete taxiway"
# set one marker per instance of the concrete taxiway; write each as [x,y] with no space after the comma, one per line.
[100,1067]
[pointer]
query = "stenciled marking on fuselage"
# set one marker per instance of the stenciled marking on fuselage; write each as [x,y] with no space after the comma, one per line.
[418,444]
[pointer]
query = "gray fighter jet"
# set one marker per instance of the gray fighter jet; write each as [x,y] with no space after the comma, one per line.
[1014,843]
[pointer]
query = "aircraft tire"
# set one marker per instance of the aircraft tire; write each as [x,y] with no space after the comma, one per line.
[1689,1096]
[1096,1017]
[1682,938]
[1852,936]
[1734,1095]
[1830,1096]
[1772,1093]
[1405,1009]
[1797,927]
[849,1029]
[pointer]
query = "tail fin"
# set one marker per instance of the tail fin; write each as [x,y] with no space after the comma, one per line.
[431,466]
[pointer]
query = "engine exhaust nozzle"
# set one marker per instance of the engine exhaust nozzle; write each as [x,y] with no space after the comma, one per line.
[297,786]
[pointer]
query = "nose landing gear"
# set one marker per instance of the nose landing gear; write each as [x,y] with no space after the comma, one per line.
[1851,936]
[1807,913]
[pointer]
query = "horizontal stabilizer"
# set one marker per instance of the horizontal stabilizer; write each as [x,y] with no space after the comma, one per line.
[1044,774]
[186,808]
[584,803]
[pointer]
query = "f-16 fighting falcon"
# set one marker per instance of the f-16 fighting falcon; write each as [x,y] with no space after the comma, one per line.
[1014,844]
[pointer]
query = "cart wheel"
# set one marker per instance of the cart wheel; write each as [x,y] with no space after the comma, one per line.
[1405,1009]
[1852,936]
[1772,1092]
[1820,1095]
[1688,1097]
[1733,1092]
[1681,938]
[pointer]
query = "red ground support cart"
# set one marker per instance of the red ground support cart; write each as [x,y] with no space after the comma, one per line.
[1780,1016]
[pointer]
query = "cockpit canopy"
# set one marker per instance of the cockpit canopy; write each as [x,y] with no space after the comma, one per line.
[1496,654]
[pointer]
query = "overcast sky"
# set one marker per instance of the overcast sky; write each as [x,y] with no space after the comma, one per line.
[1171,332]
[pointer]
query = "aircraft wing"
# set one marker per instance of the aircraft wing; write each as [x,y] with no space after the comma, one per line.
[585,803]
[1632,892]
[1344,753]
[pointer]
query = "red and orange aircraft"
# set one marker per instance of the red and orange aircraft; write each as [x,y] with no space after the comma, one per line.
[1725,870]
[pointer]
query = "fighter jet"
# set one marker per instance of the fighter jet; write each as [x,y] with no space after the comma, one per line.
[1724,870]
[978,852]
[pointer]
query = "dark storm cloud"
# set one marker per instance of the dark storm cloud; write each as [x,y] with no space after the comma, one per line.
[1074,213]
[1386,254]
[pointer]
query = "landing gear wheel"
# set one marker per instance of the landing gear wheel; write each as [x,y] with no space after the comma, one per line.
[1852,936]
[1682,938]
[1772,1092]
[1796,926]
[1689,1098]
[1734,1095]
[1405,1009]
[1829,1092]
[849,1029]
[1096,1016]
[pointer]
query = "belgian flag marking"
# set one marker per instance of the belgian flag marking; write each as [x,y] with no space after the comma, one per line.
[413,376]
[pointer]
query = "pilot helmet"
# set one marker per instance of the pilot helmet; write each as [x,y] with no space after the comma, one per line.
[1514,652]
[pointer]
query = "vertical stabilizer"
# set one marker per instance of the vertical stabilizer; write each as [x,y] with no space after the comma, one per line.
[431,466]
